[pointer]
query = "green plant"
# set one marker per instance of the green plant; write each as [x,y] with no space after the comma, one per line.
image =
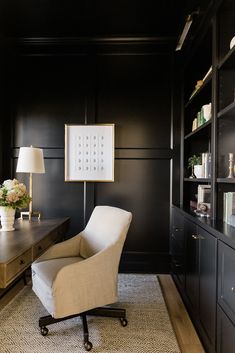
[194,160]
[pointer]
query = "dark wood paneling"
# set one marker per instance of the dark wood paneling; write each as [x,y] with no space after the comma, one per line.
[134,93]
[142,187]
[50,92]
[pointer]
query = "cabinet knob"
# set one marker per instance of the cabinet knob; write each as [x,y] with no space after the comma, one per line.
[178,265]
[22,262]
[39,248]
[233,289]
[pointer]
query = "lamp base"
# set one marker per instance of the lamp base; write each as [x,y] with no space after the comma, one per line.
[30,215]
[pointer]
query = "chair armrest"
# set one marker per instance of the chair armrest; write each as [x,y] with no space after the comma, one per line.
[89,283]
[67,248]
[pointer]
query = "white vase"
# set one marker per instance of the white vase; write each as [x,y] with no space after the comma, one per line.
[7,218]
[199,171]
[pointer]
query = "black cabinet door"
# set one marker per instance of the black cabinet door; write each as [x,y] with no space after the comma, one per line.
[192,265]
[207,286]
[226,280]
[225,333]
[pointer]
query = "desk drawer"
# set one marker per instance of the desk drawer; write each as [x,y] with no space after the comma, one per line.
[45,243]
[226,280]
[18,265]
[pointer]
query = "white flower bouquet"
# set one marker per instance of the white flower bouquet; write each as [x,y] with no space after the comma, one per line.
[13,194]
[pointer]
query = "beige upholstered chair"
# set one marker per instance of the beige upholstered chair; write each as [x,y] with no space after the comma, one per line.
[79,275]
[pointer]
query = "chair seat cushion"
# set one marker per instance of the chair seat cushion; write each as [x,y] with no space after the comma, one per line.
[47,270]
[43,276]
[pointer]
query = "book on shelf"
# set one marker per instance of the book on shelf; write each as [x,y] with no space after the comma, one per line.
[229,208]
[206,162]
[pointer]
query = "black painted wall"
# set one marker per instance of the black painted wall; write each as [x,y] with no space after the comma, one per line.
[56,72]
[130,87]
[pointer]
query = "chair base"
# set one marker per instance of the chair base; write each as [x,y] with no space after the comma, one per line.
[102,311]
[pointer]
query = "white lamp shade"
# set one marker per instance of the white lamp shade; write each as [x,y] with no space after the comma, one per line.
[30,160]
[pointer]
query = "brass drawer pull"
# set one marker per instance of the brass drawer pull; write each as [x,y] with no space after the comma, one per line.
[233,289]
[197,236]
[22,262]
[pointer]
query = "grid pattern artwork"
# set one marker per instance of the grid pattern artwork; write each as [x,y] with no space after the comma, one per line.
[89,152]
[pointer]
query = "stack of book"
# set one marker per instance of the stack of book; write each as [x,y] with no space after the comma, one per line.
[206,162]
[229,208]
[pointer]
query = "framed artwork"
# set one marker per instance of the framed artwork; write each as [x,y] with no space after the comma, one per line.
[89,152]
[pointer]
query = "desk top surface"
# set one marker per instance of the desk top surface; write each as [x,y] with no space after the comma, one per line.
[26,234]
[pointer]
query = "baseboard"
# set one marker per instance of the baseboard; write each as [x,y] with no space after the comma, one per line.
[145,262]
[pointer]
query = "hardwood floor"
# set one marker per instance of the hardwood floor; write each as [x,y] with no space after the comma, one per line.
[185,332]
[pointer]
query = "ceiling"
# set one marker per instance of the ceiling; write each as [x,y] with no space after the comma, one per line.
[75,18]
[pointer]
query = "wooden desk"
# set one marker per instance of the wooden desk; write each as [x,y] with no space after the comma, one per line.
[19,248]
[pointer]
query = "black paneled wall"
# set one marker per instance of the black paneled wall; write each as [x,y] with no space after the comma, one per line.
[129,88]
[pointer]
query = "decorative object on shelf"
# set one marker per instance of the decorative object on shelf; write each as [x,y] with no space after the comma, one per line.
[13,195]
[230,158]
[30,161]
[198,171]
[197,86]
[206,112]
[232,43]
[89,152]
[229,208]
[192,161]
[193,205]
[201,82]
[194,125]
[199,122]
[203,201]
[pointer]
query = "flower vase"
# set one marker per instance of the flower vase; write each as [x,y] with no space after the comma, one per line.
[7,218]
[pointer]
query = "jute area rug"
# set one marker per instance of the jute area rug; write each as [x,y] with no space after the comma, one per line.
[148,331]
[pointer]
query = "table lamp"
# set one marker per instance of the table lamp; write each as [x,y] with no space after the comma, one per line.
[30,161]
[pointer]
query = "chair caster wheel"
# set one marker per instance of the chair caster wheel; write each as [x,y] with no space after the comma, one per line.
[123,322]
[88,346]
[44,331]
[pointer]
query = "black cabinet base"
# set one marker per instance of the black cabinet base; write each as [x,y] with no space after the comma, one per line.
[145,262]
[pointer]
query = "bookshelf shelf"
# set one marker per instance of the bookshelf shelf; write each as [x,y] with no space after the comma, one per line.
[226,180]
[228,61]
[198,180]
[200,128]
[200,90]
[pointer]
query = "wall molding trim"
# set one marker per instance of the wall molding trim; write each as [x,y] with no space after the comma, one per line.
[89,45]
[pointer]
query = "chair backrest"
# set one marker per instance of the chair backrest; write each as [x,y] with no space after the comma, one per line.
[107,225]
